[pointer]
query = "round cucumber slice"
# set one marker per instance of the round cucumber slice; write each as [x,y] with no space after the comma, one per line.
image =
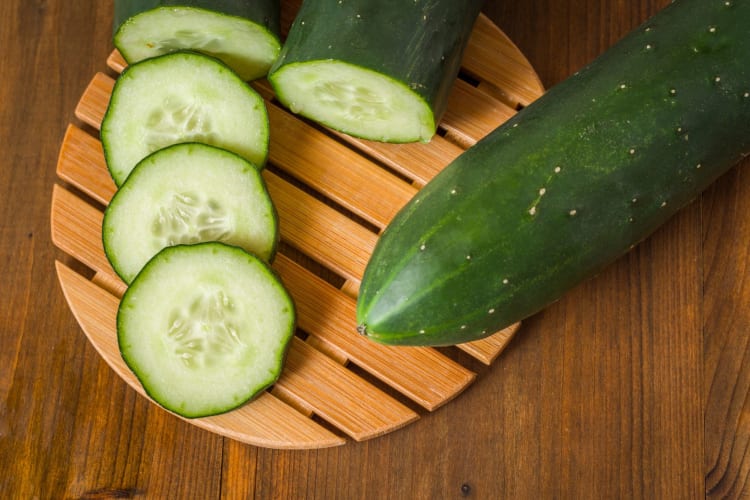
[183,194]
[248,47]
[181,97]
[205,328]
[354,100]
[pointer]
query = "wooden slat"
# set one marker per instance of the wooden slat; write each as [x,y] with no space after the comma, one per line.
[489,348]
[76,229]
[423,374]
[81,162]
[93,104]
[472,114]
[339,396]
[264,422]
[493,58]
[417,161]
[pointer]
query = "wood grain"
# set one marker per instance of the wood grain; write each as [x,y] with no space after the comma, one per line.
[634,385]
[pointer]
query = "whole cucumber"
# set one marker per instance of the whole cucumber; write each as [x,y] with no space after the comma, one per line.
[569,184]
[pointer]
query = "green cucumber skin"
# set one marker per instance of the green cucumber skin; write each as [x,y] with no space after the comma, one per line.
[569,184]
[418,43]
[264,12]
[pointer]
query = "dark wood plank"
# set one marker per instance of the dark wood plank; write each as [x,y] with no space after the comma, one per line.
[726,321]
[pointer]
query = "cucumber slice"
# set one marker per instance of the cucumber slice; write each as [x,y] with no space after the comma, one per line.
[245,37]
[205,328]
[181,97]
[183,194]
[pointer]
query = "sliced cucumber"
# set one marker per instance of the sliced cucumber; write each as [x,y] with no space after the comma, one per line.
[377,70]
[181,97]
[205,328]
[244,35]
[188,193]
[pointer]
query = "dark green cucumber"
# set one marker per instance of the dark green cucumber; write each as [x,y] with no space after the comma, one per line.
[244,34]
[377,70]
[569,184]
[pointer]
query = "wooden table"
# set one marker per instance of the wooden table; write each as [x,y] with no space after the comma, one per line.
[632,386]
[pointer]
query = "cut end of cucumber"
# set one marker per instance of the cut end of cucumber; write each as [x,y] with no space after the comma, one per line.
[205,328]
[354,100]
[247,47]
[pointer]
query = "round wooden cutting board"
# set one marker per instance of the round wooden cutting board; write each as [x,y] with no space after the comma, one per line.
[334,194]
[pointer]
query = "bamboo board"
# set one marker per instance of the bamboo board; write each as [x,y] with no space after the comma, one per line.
[334,194]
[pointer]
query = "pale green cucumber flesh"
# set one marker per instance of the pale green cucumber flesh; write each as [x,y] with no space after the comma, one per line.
[568,185]
[247,47]
[183,194]
[205,328]
[354,100]
[181,97]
